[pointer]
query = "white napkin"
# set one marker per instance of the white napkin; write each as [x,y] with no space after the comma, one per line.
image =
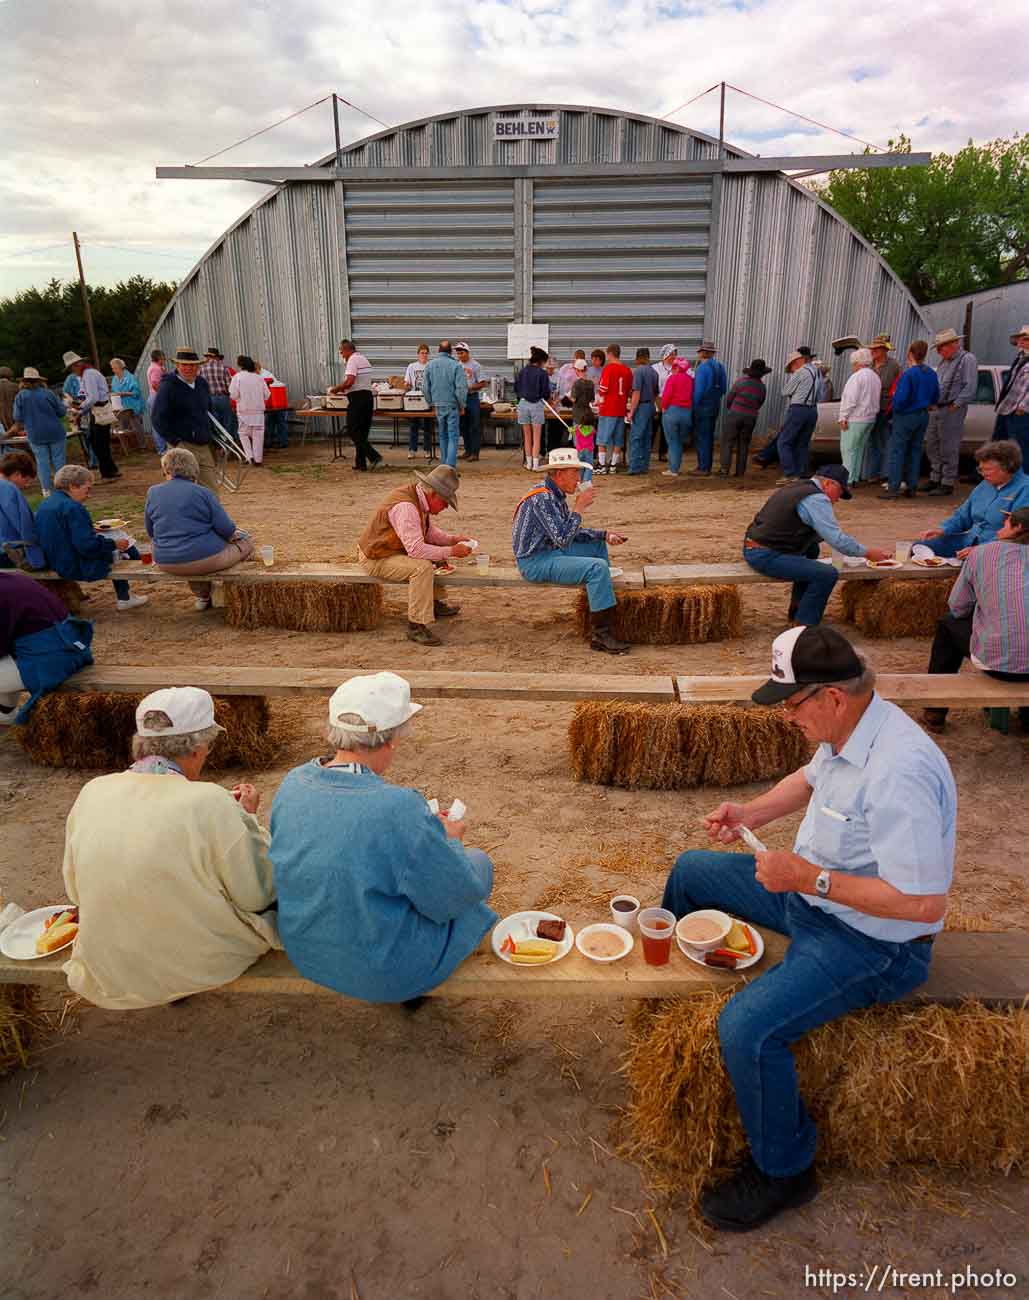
[921,552]
[457,811]
[11,913]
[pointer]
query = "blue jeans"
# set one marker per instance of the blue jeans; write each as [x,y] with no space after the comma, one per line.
[610,430]
[641,434]
[812,580]
[1015,427]
[159,443]
[580,564]
[947,547]
[677,425]
[769,453]
[471,430]
[795,438]
[875,449]
[221,409]
[423,427]
[50,457]
[120,585]
[904,450]
[448,427]
[586,456]
[704,420]
[276,430]
[829,969]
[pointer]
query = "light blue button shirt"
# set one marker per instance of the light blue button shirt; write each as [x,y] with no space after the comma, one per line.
[885,806]
[817,511]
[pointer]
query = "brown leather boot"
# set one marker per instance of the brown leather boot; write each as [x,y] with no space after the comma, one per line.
[422,634]
[602,638]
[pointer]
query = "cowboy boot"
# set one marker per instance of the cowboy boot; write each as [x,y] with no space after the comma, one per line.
[601,637]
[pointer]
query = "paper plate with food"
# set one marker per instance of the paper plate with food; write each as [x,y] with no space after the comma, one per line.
[532,938]
[884,564]
[716,940]
[929,562]
[106,525]
[41,933]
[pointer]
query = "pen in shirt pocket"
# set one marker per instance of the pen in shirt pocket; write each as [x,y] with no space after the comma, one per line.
[831,812]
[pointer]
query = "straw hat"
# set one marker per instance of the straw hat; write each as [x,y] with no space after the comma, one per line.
[794,356]
[563,458]
[72,359]
[880,341]
[1023,333]
[30,372]
[443,480]
[946,336]
[186,357]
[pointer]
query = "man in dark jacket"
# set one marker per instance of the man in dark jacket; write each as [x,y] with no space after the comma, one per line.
[181,410]
[784,538]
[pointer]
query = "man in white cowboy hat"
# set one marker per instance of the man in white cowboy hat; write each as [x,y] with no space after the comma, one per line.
[1013,404]
[182,410]
[401,543]
[94,413]
[551,545]
[958,375]
[710,385]
[888,371]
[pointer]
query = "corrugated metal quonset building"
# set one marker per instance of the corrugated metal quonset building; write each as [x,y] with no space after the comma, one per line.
[611,226]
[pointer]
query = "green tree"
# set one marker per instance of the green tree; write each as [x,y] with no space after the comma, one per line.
[958,225]
[37,326]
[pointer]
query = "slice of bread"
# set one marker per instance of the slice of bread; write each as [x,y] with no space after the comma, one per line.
[56,937]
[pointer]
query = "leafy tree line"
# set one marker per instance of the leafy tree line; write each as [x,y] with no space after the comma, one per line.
[958,225]
[37,326]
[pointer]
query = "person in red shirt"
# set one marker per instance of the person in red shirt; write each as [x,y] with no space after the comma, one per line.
[615,389]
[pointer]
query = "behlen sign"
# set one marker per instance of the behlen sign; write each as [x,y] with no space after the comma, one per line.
[525,128]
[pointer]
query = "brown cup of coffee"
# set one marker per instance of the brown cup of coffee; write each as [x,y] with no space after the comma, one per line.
[624,911]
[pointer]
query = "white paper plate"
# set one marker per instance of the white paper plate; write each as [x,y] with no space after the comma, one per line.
[884,564]
[18,940]
[615,571]
[518,925]
[936,563]
[743,964]
[108,525]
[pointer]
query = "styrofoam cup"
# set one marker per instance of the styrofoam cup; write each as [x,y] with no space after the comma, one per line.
[267,556]
[625,917]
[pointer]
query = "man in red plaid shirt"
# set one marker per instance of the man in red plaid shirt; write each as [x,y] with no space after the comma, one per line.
[218,374]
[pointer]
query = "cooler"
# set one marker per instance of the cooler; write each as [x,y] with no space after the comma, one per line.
[278,398]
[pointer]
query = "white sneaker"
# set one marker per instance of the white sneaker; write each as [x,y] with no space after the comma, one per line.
[133,602]
[200,603]
[411,455]
[669,473]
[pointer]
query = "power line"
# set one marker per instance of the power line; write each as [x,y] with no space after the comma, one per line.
[263,131]
[145,252]
[690,101]
[370,116]
[29,252]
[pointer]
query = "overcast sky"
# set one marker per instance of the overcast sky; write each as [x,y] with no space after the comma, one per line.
[94,96]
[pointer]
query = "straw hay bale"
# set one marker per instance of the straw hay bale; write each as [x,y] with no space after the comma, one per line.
[94,730]
[674,746]
[892,609]
[890,1085]
[20,1020]
[304,606]
[671,615]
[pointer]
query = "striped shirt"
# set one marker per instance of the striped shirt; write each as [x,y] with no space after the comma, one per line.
[543,521]
[994,585]
[747,396]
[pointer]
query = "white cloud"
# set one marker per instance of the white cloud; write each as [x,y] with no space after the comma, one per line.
[91,107]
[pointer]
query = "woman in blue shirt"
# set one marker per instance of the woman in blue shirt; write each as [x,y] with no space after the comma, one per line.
[532,385]
[126,385]
[17,526]
[41,413]
[191,532]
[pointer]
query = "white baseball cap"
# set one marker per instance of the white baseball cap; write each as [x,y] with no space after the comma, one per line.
[188,707]
[579,363]
[380,700]
[461,347]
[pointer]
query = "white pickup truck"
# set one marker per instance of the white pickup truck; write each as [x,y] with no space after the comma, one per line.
[978,423]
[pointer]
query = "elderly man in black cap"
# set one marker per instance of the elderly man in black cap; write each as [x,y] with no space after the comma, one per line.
[784,536]
[861,897]
[181,413]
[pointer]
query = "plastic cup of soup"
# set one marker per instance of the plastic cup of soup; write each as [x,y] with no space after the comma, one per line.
[624,911]
[267,556]
[657,925]
[703,930]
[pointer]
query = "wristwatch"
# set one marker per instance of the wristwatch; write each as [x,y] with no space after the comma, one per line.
[823,883]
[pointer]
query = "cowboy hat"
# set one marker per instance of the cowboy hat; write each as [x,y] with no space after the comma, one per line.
[443,480]
[30,372]
[186,357]
[1020,334]
[213,352]
[794,356]
[563,458]
[72,359]
[880,341]
[707,346]
[946,336]
[758,369]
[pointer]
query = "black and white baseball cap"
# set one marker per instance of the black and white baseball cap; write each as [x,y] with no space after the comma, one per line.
[808,656]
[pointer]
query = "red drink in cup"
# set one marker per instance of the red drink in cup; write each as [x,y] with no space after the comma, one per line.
[656,926]
[146,556]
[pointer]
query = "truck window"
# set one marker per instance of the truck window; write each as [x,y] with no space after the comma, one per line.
[984,393]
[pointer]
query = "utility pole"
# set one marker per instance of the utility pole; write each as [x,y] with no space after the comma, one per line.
[721,121]
[85,300]
[335,123]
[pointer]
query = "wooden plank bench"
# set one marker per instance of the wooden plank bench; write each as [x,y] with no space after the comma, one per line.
[969,690]
[993,968]
[739,573]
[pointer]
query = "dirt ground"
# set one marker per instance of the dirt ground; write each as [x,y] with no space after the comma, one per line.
[308,1147]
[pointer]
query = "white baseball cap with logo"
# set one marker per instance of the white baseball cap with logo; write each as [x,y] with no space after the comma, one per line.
[188,708]
[380,700]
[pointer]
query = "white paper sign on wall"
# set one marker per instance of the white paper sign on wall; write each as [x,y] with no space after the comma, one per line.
[521,339]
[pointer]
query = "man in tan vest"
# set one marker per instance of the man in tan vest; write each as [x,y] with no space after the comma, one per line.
[401,543]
